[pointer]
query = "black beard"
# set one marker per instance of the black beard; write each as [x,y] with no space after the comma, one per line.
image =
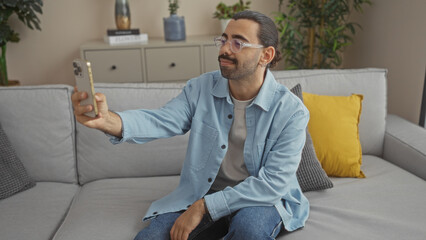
[240,72]
[226,73]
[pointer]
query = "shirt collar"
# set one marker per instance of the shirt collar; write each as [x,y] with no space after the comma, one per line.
[267,91]
[264,97]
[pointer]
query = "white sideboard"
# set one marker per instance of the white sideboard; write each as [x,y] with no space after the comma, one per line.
[154,61]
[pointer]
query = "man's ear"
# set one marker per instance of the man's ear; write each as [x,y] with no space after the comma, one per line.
[267,56]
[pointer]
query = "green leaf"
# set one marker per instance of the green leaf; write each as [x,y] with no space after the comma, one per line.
[339,29]
[335,45]
[37,8]
[10,3]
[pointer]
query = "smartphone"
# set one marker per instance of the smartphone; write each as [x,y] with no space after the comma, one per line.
[84,81]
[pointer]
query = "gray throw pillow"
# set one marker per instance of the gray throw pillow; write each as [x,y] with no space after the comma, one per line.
[13,175]
[310,174]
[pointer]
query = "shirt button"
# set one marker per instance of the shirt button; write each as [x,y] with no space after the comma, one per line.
[230,116]
[155,213]
[210,180]
[223,146]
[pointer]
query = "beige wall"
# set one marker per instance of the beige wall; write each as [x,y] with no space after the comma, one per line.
[45,57]
[394,37]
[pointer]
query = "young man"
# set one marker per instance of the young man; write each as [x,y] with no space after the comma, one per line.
[247,134]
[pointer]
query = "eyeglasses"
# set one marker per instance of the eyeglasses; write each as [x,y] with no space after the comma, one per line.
[236,45]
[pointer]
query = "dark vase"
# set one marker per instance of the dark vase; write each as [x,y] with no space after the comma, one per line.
[122,14]
[174,28]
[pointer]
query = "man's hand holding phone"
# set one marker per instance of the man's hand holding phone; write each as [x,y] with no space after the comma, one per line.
[91,109]
[105,121]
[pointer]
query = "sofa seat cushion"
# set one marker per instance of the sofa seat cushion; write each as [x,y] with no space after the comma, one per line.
[388,204]
[37,213]
[113,208]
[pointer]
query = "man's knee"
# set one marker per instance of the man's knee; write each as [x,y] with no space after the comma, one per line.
[247,233]
[159,228]
[255,223]
[152,234]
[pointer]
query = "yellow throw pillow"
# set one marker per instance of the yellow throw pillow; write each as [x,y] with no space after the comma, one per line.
[333,126]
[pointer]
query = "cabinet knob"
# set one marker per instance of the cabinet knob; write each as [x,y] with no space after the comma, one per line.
[113,67]
[173,64]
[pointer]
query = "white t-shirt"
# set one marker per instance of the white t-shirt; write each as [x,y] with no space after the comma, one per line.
[233,169]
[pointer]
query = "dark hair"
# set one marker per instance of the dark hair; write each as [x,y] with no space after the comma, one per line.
[268,33]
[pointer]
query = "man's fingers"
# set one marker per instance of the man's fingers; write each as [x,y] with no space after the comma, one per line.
[76,97]
[183,235]
[179,232]
[79,110]
[100,97]
[186,236]
[172,233]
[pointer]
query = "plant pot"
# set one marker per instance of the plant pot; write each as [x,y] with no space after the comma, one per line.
[224,24]
[174,28]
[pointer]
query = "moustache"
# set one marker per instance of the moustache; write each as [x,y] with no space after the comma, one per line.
[226,57]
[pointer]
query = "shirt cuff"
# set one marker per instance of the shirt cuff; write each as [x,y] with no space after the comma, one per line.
[117,140]
[114,140]
[216,204]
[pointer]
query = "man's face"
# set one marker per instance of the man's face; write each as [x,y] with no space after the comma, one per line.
[239,65]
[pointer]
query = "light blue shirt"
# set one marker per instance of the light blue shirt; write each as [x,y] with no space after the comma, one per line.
[276,122]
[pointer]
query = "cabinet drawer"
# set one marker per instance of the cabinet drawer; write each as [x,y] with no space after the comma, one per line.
[115,65]
[210,58]
[172,63]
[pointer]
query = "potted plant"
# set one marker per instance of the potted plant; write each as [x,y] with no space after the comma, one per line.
[225,12]
[174,26]
[26,10]
[314,33]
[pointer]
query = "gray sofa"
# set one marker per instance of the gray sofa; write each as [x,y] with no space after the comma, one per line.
[88,188]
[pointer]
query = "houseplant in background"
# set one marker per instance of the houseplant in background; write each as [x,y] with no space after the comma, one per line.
[314,33]
[174,26]
[225,12]
[26,10]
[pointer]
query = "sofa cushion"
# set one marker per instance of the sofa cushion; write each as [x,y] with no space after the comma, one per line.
[40,125]
[310,174]
[98,158]
[37,213]
[334,128]
[371,83]
[14,177]
[389,204]
[112,209]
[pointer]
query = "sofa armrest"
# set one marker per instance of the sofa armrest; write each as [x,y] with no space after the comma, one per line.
[405,145]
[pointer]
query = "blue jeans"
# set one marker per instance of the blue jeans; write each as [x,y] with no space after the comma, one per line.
[256,223]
